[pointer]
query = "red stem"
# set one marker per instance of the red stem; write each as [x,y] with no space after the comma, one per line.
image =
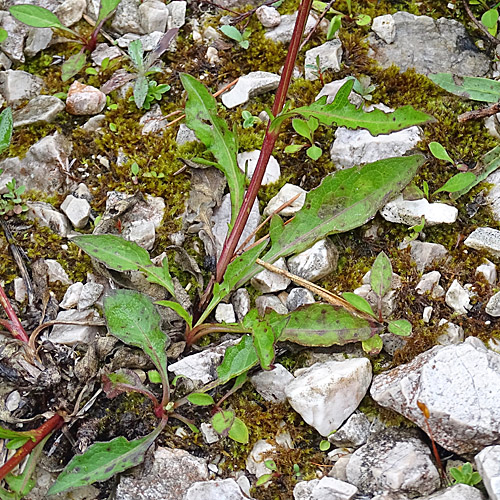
[44,430]
[268,144]
[14,325]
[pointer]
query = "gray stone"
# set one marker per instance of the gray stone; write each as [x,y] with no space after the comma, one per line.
[19,290]
[459,492]
[425,254]
[410,212]
[5,63]
[126,18]
[326,394]
[105,51]
[330,57]
[212,55]
[454,334]
[488,465]
[488,270]
[56,272]
[353,433]
[72,296]
[70,11]
[261,451]
[270,384]
[247,162]
[269,282]
[385,28]
[392,343]
[265,302]
[74,334]
[493,195]
[429,283]
[173,472]
[17,86]
[493,305]
[458,298]
[141,232]
[224,313]
[316,262]
[430,46]
[77,210]
[331,89]
[459,384]
[95,123]
[485,238]
[394,460]
[153,121]
[84,99]
[299,297]
[427,314]
[285,194]
[209,435]
[41,109]
[241,303]
[37,40]
[153,16]
[284,31]
[251,85]
[48,216]
[221,489]
[184,135]
[176,14]
[269,17]
[13,45]
[89,295]
[326,488]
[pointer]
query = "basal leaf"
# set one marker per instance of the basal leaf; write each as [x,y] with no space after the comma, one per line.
[72,66]
[342,113]
[381,275]
[222,422]
[102,461]
[141,87]
[474,88]
[301,127]
[373,345]
[178,309]
[5,129]
[107,7]
[324,325]
[231,32]
[213,132]
[264,338]
[459,182]
[238,359]
[201,399]
[401,327]
[133,319]
[136,53]
[358,302]
[314,152]
[439,152]
[35,16]
[239,431]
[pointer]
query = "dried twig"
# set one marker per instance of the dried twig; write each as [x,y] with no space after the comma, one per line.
[479,25]
[480,113]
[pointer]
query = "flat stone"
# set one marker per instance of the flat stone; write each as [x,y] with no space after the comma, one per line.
[410,212]
[393,460]
[212,55]
[269,17]
[488,270]
[454,333]
[284,31]
[84,99]
[17,86]
[429,283]
[392,343]
[172,474]
[269,282]
[41,109]
[89,295]
[326,488]
[56,272]
[459,384]
[270,384]
[38,39]
[70,11]
[184,135]
[430,46]
[126,18]
[299,297]
[241,303]
[265,302]
[326,394]
[458,298]
[385,28]
[224,313]
[493,305]
[13,45]
[493,195]
[153,16]
[77,210]
[209,435]
[20,290]
[72,296]
[251,85]
[247,162]
[316,262]
[149,42]
[176,14]
[353,433]
[220,489]
[427,313]
[95,123]
[104,51]
[48,216]
[426,254]
[488,465]
[330,58]
[141,232]
[286,193]
[485,238]
[75,334]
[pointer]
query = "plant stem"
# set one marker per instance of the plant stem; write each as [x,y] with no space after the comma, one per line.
[14,325]
[204,329]
[40,434]
[268,144]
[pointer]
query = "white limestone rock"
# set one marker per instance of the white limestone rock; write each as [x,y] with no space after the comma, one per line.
[17,86]
[56,272]
[265,302]
[209,434]
[299,297]
[220,489]
[71,296]
[385,28]
[141,232]
[454,333]
[48,216]
[426,254]
[126,18]
[326,488]
[458,492]
[77,210]
[286,193]
[488,465]
[41,109]
[270,384]
[493,305]
[261,451]
[38,39]
[353,433]
[184,135]
[251,85]
[176,14]
[331,89]
[212,55]
[70,11]
[269,17]
[427,314]
[89,295]
[20,290]
[153,16]
[224,313]
[75,334]
[458,298]
[429,283]
[460,386]
[330,58]
[241,303]
[485,238]
[284,31]
[247,162]
[326,394]
[488,270]
[269,282]
[316,262]
[394,460]
[104,51]
[410,212]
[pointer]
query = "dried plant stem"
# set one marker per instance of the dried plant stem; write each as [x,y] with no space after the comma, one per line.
[480,113]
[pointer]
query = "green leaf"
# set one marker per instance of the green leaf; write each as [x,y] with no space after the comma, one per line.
[474,88]
[133,319]
[459,182]
[231,32]
[102,461]
[213,132]
[381,275]
[363,19]
[154,377]
[302,128]
[401,327]
[6,124]
[490,20]
[244,44]
[358,302]
[20,485]
[323,325]
[136,53]
[72,66]
[222,422]
[324,445]
[178,309]
[439,152]
[3,35]
[201,399]
[107,7]
[263,479]
[373,345]
[293,148]
[35,16]
[237,359]
[18,437]
[239,431]
[314,152]
[342,113]
[141,87]
[264,338]
[333,27]
[270,464]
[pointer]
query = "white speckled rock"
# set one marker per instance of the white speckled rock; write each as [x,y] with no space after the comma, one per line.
[326,488]
[220,489]
[410,212]
[488,465]
[316,262]
[126,18]
[41,109]
[458,298]
[394,460]
[330,57]
[286,193]
[459,384]
[429,283]
[426,254]
[241,303]
[454,334]
[56,272]
[326,394]
[489,271]
[269,17]
[265,302]
[72,296]
[269,282]
[74,334]
[353,433]
[283,32]
[385,28]
[299,297]
[458,492]
[84,100]
[77,210]
[251,85]
[485,238]
[89,295]
[176,14]
[261,451]
[16,86]
[270,384]
[493,305]
[70,11]
[247,162]
[48,216]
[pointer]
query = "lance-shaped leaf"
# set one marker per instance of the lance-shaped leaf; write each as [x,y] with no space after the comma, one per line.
[16,438]
[238,359]
[459,182]
[125,380]
[72,66]
[474,88]
[5,129]
[213,132]
[342,113]
[38,17]
[358,302]
[381,275]
[264,338]
[102,461]
[107,7]
[324,325]
[133,319]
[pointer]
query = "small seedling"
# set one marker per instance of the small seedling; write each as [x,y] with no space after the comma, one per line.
[155,93]
[248,119]
[359,19]
[306,129]
[134,170]
[324,445]
[236,35]
[465,475]
[490,20]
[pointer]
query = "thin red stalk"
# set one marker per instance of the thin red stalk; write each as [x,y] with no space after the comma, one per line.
[15,327]
[268,144]
[204,329]
[44,430]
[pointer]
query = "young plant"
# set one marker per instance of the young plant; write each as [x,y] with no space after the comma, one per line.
[236,35]
[306,129]
[40,17]
[490,19]
[359,19]
[464,474]
[248,119]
